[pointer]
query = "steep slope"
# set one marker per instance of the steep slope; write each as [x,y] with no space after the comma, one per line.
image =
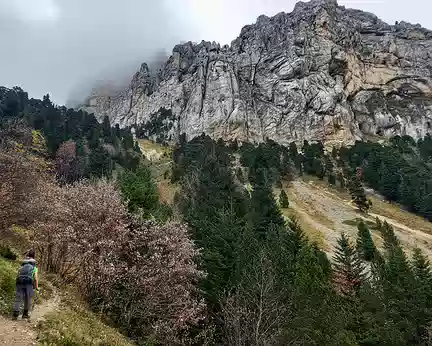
[325,212]
[321,72]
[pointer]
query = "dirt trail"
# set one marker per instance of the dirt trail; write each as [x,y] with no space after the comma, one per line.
[318,204]
[23,333]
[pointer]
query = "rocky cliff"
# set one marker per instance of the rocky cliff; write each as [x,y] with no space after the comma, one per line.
[321,72]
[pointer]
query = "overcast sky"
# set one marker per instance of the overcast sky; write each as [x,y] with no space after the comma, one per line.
[61,47]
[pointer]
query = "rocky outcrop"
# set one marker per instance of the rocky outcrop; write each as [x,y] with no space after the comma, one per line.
[321,72]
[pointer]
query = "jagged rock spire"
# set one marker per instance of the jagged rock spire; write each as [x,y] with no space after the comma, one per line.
[334,75]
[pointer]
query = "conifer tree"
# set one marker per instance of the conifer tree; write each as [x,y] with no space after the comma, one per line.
[365,245]
[283,199]
[341,180]
[331,179]
[100,163]
[334,153]
[328,165]
[264,211]
[286,163]
[139,190]
[358,194]
[107,131]
[298,162]
[117,131]
[421,266]
[422,292]
[128,142]
[391,242]
[215,209]
[239,175]
[349,269]
[317,318]
[137,148]
[293,151]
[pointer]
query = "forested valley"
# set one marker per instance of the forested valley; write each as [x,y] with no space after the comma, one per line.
[221,264]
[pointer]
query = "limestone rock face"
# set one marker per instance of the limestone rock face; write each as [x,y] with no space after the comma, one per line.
[322,72]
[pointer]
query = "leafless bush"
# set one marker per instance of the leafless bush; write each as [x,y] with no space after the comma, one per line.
[20,174]
[67,163]
[141,274]
[254,315]
[77,224]
[154,282]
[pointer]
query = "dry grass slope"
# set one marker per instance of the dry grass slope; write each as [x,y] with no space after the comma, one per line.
[74,324]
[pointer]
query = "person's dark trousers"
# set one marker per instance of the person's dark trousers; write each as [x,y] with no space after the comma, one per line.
[24,293]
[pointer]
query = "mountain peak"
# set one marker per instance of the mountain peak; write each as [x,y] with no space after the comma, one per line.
[336,75]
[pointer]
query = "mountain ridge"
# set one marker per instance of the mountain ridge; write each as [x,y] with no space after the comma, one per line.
[321,72]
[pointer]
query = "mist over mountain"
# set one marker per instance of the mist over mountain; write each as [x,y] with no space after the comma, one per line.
[321,72]
[63,47]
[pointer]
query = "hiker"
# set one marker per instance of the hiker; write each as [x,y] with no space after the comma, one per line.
[27,281]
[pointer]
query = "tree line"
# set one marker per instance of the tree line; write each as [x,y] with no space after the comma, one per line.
[400,170]
[79,144]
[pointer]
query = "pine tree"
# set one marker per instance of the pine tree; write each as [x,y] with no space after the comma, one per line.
[365,245]
[264,212]
[239,175]
[283,200]
[137,148]
[317,319]
[331,179]
[128,142]
[139,190]
[349,269]
[341,180]
[422,292]
[358,194]
[297,235]
[334,153]
[391,242]
[286,163]
[328,166]
[298,162]
[117,131]
[215,209]
[100,163]
[293,151]
[107,130]
[421,266]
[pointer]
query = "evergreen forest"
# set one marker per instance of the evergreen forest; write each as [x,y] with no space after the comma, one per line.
[222,265]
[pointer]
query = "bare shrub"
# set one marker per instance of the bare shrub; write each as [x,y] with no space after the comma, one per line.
[21,172]
[153,286]
[77,224]
[255,314]
[140,273]
[67,163]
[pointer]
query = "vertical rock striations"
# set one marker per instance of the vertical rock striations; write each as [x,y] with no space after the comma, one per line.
[321,72]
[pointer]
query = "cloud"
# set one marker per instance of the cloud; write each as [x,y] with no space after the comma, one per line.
[62,46]
[30,10]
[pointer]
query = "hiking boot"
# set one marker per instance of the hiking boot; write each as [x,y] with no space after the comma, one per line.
[25,315]
[15,316]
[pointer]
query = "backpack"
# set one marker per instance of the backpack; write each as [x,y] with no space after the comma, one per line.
[25,274]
